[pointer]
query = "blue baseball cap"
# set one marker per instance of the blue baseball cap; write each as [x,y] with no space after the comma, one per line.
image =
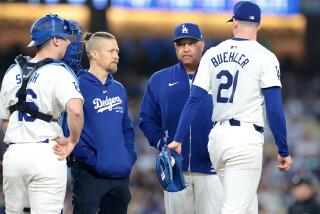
[187,30]
[246,11]
[47,27]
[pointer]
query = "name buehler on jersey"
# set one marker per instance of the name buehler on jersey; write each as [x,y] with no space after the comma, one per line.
[235,79]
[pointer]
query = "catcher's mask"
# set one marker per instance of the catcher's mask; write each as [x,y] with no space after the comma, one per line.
[73,54]
[53,25]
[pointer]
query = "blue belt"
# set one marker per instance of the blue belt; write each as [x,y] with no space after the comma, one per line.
[234,122]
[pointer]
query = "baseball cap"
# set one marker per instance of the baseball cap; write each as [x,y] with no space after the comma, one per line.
[246,11]
[187,30]
[47,27]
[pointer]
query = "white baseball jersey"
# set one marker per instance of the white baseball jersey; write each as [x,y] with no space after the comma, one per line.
[49,89]
[235,71]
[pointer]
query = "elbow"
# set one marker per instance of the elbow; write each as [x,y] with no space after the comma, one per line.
[77,113]
[75,108]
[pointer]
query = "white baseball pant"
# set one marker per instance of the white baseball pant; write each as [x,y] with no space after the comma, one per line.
[236,153]
[32,170]
[202,196]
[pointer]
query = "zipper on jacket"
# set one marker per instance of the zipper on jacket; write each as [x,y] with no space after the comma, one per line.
[189,167]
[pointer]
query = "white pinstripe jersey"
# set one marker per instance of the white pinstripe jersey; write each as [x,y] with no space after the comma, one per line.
[235,71]
[49,89]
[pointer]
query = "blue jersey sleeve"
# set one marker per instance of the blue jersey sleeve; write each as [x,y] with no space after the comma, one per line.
[150,119]
[276,118]
[189,112]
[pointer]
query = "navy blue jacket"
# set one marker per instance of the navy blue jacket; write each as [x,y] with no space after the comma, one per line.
[166,94]
[106,142]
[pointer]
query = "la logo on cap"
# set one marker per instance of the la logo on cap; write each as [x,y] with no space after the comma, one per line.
[184,29]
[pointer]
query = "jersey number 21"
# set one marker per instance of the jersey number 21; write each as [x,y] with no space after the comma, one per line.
[231,83]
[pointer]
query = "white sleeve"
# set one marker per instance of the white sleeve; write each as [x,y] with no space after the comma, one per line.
[10,85]
[4,110]
[204,74]
[66,87]
[270,75]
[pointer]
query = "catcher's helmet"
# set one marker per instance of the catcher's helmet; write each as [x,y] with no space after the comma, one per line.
[47,27]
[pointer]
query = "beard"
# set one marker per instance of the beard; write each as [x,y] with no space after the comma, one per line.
[113,68]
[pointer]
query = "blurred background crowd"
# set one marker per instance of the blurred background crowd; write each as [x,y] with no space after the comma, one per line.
[291,31]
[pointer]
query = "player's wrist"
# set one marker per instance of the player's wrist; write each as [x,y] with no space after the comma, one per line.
[72,140]
[284,154]
[177,139]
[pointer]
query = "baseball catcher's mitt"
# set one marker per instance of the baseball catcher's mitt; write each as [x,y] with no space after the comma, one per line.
[169,173]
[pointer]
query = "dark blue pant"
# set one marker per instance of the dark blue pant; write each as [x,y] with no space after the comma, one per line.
[95,194]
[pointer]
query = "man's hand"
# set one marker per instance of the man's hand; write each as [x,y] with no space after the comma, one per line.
[63,147]
[176,146]
[284,163]
[4,125]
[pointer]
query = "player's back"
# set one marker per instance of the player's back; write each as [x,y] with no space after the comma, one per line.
[46,91]
[239,69]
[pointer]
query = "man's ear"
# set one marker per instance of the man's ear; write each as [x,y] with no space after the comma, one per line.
[203,44]
[55,41]
[235,24]
[94,54]
[259,26]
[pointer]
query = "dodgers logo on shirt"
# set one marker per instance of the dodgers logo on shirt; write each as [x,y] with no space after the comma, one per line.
[110,103]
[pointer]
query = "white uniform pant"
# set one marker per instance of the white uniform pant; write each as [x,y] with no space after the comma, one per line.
[32,171]
[236,153]
[202,196]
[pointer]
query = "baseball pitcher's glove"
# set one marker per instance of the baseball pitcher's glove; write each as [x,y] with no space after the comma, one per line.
[169,173]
